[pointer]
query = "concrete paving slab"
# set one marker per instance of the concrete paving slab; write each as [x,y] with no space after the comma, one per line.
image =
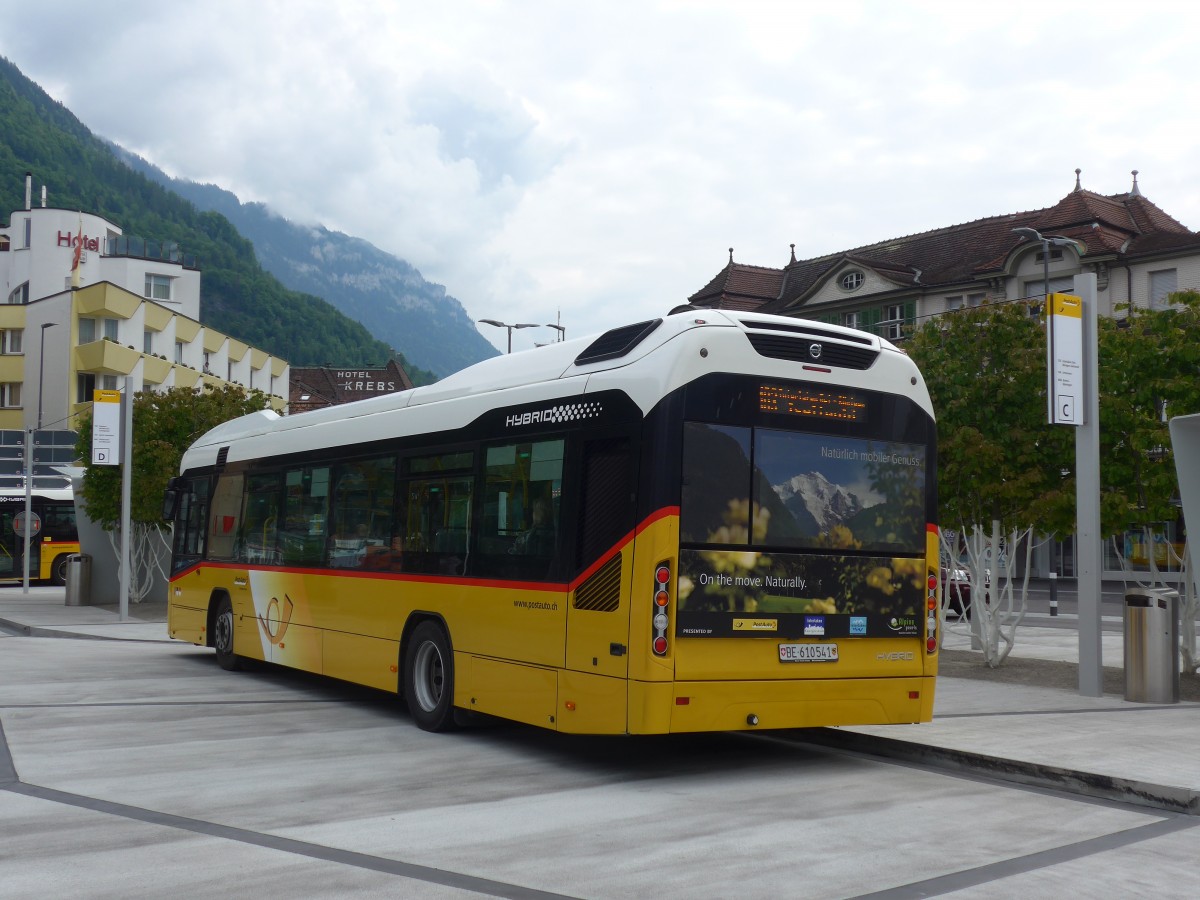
[1137,752]
[52,849]
[282,763]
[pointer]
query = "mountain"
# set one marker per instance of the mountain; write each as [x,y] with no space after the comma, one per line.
[385,293]
[238,296]
[813,497]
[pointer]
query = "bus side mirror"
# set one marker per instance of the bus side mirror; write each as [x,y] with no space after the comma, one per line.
[170,505]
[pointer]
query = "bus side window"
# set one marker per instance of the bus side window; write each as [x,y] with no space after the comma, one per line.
[305,515]
[258,528]
[519,533]
[361,515]
[190,520]
[436,522]
[224,520]
[58,521]
[433,513]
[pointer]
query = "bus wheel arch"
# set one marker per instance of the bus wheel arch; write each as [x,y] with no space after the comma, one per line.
[427,673]
[220,631]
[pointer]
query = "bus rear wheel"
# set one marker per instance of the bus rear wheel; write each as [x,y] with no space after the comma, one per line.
[429,678]
[223,636]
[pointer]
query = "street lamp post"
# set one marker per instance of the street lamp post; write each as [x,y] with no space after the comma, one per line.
[561,329]
[1046,241]
[509,327]
[30,434]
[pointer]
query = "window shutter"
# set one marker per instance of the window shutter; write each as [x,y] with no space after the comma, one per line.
[1161,284]
[869,320]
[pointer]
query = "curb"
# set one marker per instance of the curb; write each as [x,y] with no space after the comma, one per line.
[20,629]
[1166,798]
[51,632]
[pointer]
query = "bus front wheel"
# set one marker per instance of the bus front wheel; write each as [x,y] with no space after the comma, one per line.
[58,570]
[429,678]
[223,636]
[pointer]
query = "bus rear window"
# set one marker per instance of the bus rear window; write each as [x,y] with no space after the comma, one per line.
[798,534]
[819,491]
[792,489]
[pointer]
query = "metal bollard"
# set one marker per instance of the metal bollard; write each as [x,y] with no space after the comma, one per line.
[1054,593]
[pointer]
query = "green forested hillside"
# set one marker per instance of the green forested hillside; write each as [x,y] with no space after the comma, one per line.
[238,297]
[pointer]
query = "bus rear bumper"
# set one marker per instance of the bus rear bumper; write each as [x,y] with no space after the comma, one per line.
[758,705]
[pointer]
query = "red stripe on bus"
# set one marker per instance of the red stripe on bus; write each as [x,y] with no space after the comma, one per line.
[411,577]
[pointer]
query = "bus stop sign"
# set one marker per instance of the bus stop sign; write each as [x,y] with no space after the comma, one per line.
[35,524]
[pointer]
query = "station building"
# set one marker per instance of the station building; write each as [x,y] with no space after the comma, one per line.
[1138,252]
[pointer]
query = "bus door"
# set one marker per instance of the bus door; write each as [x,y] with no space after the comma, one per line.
[598,612]
[12,545]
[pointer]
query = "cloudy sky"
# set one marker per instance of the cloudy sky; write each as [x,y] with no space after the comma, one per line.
[598,160]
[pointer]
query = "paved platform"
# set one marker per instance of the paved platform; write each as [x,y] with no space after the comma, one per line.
[1025,721]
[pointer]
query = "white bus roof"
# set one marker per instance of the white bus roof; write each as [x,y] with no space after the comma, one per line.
[698,341]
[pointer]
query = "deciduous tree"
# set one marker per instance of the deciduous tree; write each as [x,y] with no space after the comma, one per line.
[1003,472]
[164,425]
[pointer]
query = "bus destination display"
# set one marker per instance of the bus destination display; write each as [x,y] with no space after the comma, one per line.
[811,402]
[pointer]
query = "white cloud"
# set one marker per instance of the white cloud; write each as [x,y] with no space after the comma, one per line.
[600,159]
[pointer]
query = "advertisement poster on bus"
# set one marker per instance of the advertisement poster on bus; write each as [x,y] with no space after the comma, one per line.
[723,593]
[801,534]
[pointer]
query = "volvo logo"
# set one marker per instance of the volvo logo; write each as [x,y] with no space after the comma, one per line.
[814,350]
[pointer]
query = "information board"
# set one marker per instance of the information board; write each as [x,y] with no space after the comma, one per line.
[1064,359]
[106,428]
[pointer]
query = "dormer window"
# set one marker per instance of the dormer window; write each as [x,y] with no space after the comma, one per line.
[851,281]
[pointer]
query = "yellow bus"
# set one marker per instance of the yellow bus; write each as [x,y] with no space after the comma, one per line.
[708,521]
[54,540]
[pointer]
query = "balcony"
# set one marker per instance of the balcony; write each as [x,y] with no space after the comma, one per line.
[106,357]
[156,370]
[140,248]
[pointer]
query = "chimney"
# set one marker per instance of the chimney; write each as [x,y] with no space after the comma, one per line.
[28,190]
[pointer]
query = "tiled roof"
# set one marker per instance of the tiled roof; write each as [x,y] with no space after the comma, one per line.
[739,286]
[1126,225]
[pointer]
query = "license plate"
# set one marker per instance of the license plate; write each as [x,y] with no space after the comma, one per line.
[808,653]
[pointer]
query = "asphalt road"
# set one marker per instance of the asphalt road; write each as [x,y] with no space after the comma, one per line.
[140,769]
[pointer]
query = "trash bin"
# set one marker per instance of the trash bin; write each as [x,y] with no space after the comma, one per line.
[1152,645]
[79,579]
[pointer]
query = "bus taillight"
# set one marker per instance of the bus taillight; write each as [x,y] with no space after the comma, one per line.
[662,599]
[931,616]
